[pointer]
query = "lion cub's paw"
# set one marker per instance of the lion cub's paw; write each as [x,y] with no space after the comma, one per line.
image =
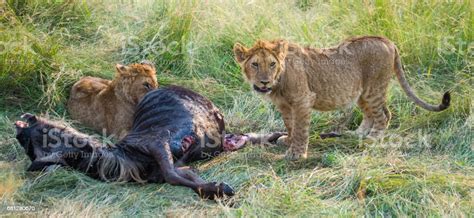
[283,141]
[291,154]
[376,134]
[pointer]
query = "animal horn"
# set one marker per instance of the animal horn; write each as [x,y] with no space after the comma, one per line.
[29,117]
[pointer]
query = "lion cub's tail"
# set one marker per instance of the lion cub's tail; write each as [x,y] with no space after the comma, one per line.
[406,87]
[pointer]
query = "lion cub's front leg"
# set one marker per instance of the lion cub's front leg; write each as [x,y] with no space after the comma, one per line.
[288,121]
[301,114]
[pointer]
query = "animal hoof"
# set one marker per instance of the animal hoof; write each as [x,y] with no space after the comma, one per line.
[292,155]
[212,191]
[273,137]
[283,141]
[226,189]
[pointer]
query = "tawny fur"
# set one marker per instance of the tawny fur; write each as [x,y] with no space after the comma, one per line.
[108,106]
[298,79]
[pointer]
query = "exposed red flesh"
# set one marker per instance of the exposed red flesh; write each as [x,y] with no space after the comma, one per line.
[21,124]
[187,142]
[234,142]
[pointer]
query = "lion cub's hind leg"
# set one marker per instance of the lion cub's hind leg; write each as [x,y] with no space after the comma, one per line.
[380,123]
[368,121]
[379,111]
[87,86]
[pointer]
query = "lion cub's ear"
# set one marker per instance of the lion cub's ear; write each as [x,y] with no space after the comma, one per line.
[240,52]
[280,49]
[149,63]
[122,70]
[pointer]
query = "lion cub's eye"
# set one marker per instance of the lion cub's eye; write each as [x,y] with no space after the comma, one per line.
[272,64]
[255,64]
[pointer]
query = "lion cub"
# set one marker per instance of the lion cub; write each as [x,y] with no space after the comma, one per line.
[109,106]
[298,79]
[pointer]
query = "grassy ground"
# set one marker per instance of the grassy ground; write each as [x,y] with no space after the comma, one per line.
[425,167]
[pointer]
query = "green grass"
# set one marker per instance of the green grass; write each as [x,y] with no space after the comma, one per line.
[425,167]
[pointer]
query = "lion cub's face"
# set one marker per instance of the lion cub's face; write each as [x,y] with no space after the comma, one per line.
[135,80]
[262,64]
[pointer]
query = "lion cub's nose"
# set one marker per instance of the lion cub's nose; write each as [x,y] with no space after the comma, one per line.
[264,82]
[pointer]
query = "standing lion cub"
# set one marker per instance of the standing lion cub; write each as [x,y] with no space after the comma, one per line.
[298,79]
[109,106]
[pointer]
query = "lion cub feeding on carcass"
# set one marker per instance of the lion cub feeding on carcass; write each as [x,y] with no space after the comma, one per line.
[109,105]
[298,79]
